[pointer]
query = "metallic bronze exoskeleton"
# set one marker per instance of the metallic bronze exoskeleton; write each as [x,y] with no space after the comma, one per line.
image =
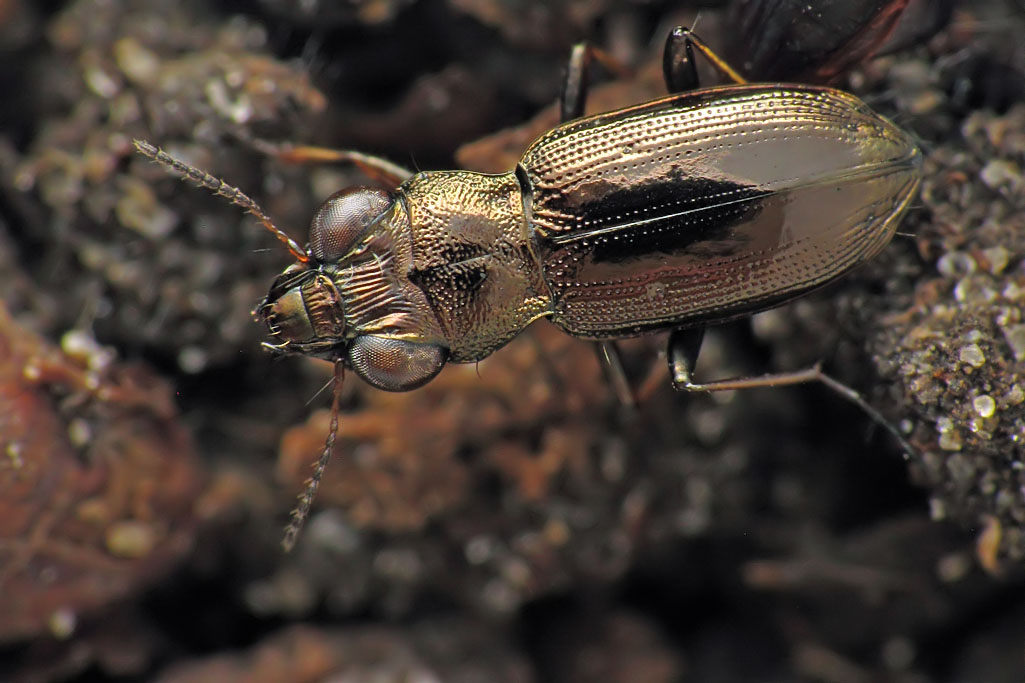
[694,209]
[697,208]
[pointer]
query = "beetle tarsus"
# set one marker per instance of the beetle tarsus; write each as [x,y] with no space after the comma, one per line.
[857,399]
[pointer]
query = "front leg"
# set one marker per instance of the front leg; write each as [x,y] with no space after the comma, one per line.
[382,171]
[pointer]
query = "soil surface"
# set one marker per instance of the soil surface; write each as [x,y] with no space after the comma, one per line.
[510,521]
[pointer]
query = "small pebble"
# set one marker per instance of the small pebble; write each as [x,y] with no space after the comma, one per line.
[956,264]
[130,539]
[997,258]
[950,441]
[972,355]
[984,406]
[79,432]
[1000,172]
[63,623]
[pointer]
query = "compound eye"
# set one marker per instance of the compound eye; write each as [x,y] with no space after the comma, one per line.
[342,219]
[394,364]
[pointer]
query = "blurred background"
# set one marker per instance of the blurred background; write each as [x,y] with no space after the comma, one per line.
[511,521]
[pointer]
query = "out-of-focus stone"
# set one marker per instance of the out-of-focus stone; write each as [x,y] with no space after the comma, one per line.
[97,482]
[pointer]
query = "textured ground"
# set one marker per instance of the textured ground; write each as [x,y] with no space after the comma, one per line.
[509,522]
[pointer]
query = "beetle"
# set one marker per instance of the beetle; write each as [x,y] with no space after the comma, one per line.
[701,207]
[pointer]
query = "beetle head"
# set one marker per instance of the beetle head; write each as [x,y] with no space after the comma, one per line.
[304,309]
[387,343]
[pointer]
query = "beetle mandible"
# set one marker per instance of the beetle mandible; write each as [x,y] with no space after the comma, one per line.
[702,207]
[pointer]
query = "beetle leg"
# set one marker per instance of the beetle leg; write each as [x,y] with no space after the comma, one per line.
[684,346]
[678,66]
[572,101]
[573,97]
[388,174]
[683,352]
[574,85]
[611,359]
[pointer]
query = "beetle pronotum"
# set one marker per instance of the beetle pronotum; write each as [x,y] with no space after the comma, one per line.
[701,207]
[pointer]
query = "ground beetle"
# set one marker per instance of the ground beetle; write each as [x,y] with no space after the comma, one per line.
[702,207]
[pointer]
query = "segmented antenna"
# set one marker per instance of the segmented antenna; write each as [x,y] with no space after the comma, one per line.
[219,187]
[302,510]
